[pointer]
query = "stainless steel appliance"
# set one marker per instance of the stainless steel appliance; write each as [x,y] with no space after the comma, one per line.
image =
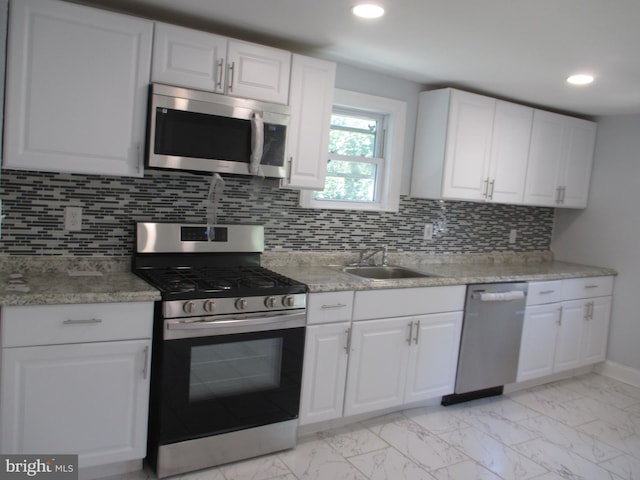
[201,131]
[490,343]
[227,348]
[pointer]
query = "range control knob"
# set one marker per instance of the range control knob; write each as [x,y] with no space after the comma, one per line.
[209,306]
[241,304]
[270,302]
[288,301]
[188,307]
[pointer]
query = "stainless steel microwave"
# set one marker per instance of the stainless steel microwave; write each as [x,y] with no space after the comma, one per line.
[200,131]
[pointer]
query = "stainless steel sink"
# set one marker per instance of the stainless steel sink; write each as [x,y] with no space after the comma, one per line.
[381,272]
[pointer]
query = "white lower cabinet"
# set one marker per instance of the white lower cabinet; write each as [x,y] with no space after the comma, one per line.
[402,360]
[570,331]
[87,394]
[324,373]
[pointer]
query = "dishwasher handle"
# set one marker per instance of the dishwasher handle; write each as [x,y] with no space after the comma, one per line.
[498,296]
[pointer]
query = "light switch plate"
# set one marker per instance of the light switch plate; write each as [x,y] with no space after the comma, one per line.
[73,219]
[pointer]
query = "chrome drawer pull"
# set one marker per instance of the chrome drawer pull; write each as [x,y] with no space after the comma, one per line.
[546,292]
[82,322]
[591,286]
[335,305]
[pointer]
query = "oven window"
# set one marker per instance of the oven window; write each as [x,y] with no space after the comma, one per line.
[234,368]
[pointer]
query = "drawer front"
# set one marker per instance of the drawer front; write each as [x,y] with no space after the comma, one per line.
[402,302]
[329,307]
[77,323]
[540,293]
[587,287]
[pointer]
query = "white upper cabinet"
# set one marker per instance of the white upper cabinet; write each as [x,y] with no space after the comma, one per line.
[188,58]
[470,147]
[77,83]
[560,161]
[194,59]
[258,72]
[311,101]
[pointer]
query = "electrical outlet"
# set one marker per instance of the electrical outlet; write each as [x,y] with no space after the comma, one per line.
[513,235]
[73,219]
[428,231]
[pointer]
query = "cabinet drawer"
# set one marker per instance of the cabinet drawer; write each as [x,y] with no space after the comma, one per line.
[402,302]
[77,323]
[329,307]
[587,287]
[544,292]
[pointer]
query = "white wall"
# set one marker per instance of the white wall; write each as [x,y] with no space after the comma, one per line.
[607,232]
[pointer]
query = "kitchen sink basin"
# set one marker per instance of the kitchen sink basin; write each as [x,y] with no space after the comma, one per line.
[381,272]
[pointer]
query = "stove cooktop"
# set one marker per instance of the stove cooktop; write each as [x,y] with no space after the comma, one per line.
[183,283]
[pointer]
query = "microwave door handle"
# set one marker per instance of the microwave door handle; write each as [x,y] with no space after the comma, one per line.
[257,142]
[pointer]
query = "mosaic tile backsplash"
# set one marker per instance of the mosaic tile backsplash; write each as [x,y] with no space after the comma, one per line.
[34,204]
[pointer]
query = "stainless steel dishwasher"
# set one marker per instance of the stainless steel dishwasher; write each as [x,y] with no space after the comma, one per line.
[490,343]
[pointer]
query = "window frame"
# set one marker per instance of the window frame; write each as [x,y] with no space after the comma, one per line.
[389,175]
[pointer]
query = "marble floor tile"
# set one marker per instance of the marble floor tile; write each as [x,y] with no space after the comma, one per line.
[389,464]
[437,419]
[417,443]
[500,428]
[618,437]
[353,440]
[261,468]
[494,455]
[625,466]
[503,406]
[468,470]
[564,462]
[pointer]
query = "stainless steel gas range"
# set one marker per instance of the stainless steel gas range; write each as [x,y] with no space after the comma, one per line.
[227,349]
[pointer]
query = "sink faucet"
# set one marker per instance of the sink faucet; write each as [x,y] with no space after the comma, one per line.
[367,254]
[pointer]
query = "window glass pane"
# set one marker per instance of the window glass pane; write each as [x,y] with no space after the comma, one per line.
[353,135]
[349,181]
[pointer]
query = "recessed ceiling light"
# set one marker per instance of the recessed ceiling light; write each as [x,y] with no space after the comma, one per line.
[580,79]
[368,10]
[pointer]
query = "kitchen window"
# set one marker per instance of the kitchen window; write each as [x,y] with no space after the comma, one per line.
[364,161]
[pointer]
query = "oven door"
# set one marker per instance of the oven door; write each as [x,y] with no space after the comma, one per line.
[234,378]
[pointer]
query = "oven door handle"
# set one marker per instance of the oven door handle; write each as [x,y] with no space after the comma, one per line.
[175,329]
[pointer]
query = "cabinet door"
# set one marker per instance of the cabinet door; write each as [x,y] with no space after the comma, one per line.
[311,101]
[468,146]
[580,138]
[258,72]
[90,399]
[569,339]
[538,344]
[545,159]
[325,372]
[509,152]
[377,365]
[76,89]
[433,358]
[596,330]
[188,58]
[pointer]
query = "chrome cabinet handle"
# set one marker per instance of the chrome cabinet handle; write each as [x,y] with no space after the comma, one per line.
[140,158]
[410,333]
[145,369]
[546,292]
[492,185]
[415,339]
[591,286]
[485,187]
[564,190]
[88,321]
[347,347]
[232,69]
[221,73]
[558,194]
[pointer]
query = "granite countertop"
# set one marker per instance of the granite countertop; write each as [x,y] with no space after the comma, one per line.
[47,280]
[456,270]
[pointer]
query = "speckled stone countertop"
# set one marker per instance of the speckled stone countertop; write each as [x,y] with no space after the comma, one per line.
[49,282]
[446,270]
[93,280]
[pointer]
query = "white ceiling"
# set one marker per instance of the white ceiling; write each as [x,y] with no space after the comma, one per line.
[515,49]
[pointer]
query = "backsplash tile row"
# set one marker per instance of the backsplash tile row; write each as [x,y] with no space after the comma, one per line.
[34,204]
